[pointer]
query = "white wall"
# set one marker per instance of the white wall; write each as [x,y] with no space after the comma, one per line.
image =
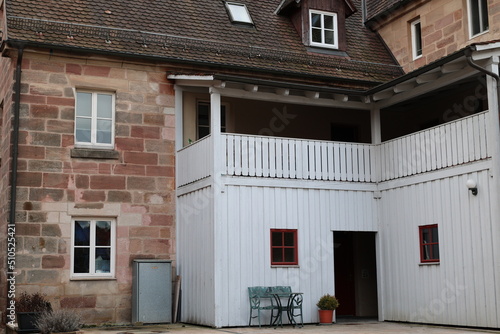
[249,212]
[460,290]
[195,248]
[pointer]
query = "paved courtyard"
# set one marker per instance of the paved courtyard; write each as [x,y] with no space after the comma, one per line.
[364,327]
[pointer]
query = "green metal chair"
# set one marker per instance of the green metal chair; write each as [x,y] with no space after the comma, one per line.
[256,294]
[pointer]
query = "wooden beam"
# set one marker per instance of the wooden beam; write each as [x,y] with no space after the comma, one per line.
[283,91]
[383,95]
[252,88]
[312,95]
[341,97]
[427,77]
[452,67]
[405,86]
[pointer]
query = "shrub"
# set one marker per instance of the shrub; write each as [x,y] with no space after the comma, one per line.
[32,302]
[58,321]
[327,302]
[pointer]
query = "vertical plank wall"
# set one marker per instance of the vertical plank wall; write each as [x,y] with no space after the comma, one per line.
[195,249]
[461,289]
[243,242]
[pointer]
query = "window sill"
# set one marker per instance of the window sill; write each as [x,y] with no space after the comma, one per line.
[92,153]
[89,278]
[479,34]
[429,263]
[285,266]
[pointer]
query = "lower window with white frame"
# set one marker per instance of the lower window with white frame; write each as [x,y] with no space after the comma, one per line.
[93,248]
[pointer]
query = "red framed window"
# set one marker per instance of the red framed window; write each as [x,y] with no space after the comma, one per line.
[284,247]
[429,243]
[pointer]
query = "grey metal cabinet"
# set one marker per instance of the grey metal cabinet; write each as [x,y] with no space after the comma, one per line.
[152,291]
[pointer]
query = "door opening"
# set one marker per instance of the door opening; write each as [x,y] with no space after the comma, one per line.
[355,274]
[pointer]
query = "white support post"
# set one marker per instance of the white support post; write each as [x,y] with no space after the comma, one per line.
[179,118]
[376,140]
[217,189]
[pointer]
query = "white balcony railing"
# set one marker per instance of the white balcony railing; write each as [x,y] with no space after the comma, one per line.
[448,145]
[195,162]
[297,158]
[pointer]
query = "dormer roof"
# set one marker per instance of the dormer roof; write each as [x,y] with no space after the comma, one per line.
[284,5]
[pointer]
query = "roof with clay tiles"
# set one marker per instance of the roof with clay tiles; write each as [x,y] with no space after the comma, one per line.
[197,32]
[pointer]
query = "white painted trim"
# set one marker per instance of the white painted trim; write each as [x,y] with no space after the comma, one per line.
[92,247]
[191,77]
[322,44]
[469,19]
[436,175]
[413,25]
[195,186]
[277,97]
[179,118]
[299,184]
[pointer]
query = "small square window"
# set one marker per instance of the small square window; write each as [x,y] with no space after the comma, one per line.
[323,29]
[284,247]
[93,248]
[416,39]
[238,13]
[478,16]
[429,243]
[94,119]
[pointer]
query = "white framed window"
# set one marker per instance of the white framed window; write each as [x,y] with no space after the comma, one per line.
[323,29]
[416,39]
[93,248]
[478,17]
[238,13]
[95,119]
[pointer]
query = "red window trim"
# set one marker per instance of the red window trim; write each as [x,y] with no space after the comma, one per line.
[432,242]
[295,247]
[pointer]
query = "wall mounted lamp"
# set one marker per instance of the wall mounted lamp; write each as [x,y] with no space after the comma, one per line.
[472,186]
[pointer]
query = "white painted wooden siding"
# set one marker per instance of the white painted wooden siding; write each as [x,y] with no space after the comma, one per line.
[461,289]
[195,161]
[297,158]
[243,242]
[450,144]
[195,252]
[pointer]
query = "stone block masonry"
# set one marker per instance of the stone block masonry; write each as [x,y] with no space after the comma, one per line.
[133,185]
[445,29]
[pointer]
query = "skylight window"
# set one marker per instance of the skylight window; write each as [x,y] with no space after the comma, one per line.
[238,13]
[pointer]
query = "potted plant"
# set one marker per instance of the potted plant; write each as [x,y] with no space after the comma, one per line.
[327,304]
[29,306]
[59,321]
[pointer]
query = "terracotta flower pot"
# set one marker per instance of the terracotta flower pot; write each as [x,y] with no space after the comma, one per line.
[325,316]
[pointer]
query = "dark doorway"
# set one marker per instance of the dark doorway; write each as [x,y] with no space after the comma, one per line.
[355,274]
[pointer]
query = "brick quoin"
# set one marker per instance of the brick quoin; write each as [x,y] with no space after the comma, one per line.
[130,144]
[79,302]
[107,182]
[61,101]
[100,71]
[151,132]
[31,152]
[141,158]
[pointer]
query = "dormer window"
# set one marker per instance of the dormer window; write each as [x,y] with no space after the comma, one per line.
[323,29]
[238,13]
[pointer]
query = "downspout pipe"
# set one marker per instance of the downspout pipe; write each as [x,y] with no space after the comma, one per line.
[10,257]
[15,137]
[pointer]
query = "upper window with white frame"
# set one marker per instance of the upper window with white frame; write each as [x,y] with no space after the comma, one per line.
[94,119]
[478,17]
[93,248]
[323,29]
[416,39]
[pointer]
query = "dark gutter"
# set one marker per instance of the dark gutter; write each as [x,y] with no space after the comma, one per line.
[420,71]
[18,43]
[10,261]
